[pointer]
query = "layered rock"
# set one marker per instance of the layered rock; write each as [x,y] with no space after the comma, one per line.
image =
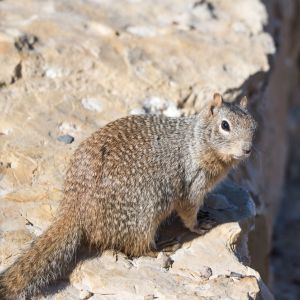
[70,67]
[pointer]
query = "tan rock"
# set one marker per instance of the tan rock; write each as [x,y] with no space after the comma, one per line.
[68,68]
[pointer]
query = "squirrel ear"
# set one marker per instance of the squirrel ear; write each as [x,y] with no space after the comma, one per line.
[244,102]
[217,102]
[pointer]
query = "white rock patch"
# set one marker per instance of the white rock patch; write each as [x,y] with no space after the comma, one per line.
[92,104]
[157,105]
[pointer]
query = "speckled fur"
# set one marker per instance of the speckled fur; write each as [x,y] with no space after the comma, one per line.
[124,180]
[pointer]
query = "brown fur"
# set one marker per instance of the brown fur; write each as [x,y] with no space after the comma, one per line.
[125,179]
[216,166]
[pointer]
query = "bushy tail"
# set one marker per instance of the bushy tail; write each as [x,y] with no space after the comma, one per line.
[44,262]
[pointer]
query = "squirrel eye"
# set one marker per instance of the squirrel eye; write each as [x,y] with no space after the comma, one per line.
[225,126]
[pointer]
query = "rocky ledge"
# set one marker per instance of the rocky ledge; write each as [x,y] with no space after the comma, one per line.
[213,266]
[69,67]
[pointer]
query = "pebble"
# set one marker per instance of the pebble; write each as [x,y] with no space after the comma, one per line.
[92,104]
[205,272]
[66,127]
[54,72]
[67,139]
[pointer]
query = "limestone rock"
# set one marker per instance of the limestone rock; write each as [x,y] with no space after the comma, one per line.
[70,67]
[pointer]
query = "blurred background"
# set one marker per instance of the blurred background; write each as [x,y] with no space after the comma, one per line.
[70,67]
[284,26]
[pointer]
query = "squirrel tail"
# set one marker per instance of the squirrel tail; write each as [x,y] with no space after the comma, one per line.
[43,262]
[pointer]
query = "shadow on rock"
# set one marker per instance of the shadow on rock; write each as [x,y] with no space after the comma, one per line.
[227,203]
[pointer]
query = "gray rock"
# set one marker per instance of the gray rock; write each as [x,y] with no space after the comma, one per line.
[67,139]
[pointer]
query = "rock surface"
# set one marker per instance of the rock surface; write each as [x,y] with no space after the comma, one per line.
[70,67]
[208,266]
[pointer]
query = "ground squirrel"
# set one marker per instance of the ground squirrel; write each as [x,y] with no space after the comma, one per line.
[126,178]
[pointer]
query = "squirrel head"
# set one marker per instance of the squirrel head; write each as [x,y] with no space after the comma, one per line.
[232,128]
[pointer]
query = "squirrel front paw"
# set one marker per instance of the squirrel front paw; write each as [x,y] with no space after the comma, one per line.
[205,222]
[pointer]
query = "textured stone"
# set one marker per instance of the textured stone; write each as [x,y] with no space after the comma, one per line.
[92,104]
[68,68]
[67,139]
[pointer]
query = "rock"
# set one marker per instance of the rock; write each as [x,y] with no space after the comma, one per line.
[69,70]
[67,139]
[156,105]
[205,272]
[9,59]
[189,273]
[26,42]
[53,72]
[92,104]
[66,127]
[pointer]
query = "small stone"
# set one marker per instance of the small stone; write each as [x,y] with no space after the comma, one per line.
[154,105]
[92,104]
[53,72]
[157,105]
[66,127]
[165,260]
[67,139]
[26,42]
[205,272]
[236,275]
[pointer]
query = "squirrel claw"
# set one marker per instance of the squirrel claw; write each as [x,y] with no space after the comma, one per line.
[205,223]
